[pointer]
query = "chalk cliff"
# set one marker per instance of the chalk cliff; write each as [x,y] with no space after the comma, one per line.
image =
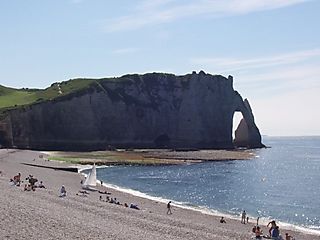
[135,111]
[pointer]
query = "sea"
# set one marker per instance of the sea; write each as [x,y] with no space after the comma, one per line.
[281,182]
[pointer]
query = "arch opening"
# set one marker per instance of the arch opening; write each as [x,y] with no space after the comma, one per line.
[237,116]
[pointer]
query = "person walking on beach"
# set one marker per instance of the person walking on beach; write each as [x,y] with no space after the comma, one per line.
[243,217]
[169,208]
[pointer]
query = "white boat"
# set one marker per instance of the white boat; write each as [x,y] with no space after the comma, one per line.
[91,180]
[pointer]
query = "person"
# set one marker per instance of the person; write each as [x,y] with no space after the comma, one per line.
[100,198]
[288,237]
[134,206]
[243,217]
[247,219]
[275,233]
[27,187]
[32,181]
[258,233]
[63,191]
[17,179]
[222,220]
[41,185]
[169,208]
[273,226]
[104,192]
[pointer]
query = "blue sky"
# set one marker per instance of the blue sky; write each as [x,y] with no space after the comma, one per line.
[271,47]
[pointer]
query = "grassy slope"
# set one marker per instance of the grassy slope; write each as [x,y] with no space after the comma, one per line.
[10,97]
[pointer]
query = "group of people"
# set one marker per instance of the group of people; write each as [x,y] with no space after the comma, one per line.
[274,232]
[30,182]
[244,217]
[115,201]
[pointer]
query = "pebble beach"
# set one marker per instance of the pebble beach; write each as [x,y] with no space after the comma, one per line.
[42,214]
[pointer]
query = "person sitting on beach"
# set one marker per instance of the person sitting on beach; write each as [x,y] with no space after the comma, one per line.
[40,185]
[63,191]
[258,233]
[288,237]
[273,226]
[17,179]
[126,205]
[32,181]
[27,187]
[222,220]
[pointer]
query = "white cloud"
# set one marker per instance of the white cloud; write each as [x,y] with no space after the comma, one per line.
[233,64]
[158,12]
[270,75]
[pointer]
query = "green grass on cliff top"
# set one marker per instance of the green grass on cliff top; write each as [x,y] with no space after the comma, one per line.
[10,97]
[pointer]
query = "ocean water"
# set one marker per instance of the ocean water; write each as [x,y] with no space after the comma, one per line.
[281,182]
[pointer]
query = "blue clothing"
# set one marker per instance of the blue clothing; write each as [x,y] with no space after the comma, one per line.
[275,233]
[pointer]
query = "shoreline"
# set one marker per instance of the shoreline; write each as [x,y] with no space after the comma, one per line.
[202,209]
[77,217]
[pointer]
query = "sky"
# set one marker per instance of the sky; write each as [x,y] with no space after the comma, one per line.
[270,47]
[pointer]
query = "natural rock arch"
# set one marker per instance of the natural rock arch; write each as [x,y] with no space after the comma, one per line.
[247,133]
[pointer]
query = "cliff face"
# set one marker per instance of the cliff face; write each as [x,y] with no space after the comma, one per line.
[134,111]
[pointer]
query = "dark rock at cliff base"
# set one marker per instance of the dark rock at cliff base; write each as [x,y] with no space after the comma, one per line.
[153,110]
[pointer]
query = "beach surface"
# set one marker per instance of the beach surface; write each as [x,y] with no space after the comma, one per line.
[42,214]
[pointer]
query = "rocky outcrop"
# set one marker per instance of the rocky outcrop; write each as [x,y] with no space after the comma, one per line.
[134,111]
